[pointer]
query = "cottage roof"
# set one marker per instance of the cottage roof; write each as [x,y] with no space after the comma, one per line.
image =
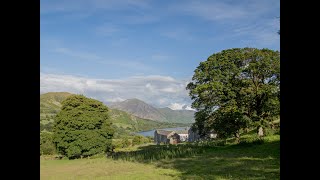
[182,131]
[164,132]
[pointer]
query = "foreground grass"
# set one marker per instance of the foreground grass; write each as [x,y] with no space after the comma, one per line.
[102,168]
[242,161]
[231,162]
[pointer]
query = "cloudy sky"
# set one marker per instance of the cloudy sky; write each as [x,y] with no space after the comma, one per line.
[113,50]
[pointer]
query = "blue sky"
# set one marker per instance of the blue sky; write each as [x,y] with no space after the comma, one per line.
[118,49]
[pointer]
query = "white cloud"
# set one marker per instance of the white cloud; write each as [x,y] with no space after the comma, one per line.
[170,90]
[117,99]
[179,106]
[176,106]
[189,108]
[160,91]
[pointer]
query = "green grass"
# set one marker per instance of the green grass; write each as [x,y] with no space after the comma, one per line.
[102,169]
[233,161]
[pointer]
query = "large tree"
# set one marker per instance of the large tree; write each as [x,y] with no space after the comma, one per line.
[82,127]
[236,88]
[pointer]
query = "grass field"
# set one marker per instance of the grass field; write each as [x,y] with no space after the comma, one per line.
[242,161]
[102,169]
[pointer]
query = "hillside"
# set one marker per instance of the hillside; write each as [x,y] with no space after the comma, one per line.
[50,104]
[141,109]
[181,116]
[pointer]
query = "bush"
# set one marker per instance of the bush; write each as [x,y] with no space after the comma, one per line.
[269,131]
[125,142]
[46,145]
[138,139]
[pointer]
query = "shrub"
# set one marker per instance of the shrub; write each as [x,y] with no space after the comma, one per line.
[46,145]
[125,142]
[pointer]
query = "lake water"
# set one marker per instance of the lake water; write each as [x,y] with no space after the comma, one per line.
[151,132]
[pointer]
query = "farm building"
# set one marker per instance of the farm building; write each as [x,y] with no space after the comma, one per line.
[166,137]
[194,136]
[183,134]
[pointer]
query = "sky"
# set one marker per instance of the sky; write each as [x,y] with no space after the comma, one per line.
[113,50]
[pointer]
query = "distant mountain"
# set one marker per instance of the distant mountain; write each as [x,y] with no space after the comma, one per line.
[50,104]
[141,109]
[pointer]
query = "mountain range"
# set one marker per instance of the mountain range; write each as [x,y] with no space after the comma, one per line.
[143,110]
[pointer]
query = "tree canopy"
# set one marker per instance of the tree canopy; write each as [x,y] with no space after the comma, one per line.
[236,88]
[82,127]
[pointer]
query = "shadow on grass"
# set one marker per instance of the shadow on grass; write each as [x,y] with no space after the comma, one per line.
[242,161]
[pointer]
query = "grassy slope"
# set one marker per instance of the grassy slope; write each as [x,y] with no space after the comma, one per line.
[50,104]
[181,116]
[249,161]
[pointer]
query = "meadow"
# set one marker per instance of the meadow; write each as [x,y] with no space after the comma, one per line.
[251,159]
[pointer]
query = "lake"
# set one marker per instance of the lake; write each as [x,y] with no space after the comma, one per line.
[151,132]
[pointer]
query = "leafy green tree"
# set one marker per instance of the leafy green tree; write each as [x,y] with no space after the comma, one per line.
[82,127]
[229,122]
[238,86]
[46,145]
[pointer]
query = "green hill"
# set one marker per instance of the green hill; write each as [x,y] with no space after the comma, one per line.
[181,116]
[50,104]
